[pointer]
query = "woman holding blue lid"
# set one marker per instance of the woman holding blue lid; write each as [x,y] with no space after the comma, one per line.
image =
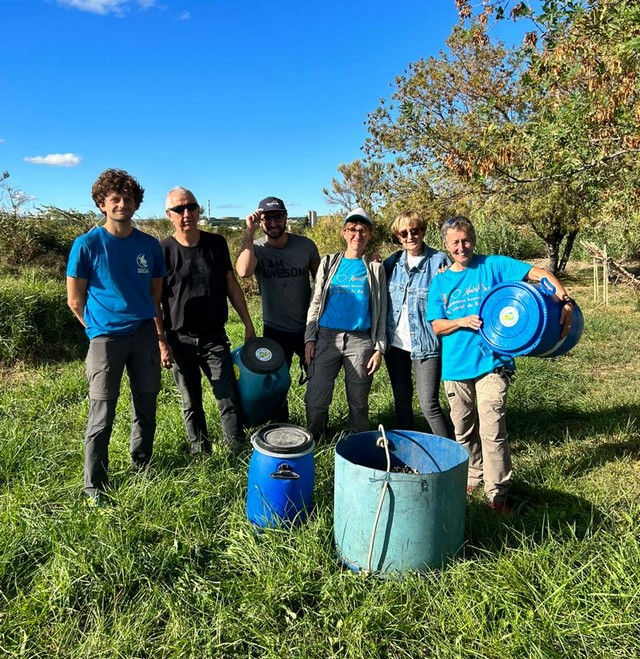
[477,380]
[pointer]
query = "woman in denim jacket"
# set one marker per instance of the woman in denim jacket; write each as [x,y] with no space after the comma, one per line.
[411,343]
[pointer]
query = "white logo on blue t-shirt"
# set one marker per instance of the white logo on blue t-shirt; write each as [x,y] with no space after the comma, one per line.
[143,265]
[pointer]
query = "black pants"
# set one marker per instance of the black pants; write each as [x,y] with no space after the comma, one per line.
[427,376]
[293,344]
[212,356]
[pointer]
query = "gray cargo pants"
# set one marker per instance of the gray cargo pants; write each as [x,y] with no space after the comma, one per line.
[107,358]
[335,349]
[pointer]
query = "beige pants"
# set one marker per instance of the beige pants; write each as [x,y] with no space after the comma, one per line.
[483,432]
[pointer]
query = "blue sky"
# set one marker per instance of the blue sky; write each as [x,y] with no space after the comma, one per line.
[236,100]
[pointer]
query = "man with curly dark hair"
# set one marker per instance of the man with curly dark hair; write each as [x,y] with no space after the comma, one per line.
[118,181]
[114,285]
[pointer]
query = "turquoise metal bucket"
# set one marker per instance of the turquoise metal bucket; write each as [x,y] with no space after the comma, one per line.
[417,523]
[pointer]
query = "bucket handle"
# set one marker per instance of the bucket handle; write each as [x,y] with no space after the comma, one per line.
[284,473]
[547,287]
[382,442]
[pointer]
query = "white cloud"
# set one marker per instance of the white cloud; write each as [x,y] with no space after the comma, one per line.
[104,7]
[56,160]
[184,16]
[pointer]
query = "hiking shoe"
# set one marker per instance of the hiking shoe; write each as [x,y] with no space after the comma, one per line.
[236,446]
[501,507]
[97,501]
[138,468]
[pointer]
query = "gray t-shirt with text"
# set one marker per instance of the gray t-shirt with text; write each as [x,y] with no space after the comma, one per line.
[284,281]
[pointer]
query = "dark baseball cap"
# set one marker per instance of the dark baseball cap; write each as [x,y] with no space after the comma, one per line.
[269,204]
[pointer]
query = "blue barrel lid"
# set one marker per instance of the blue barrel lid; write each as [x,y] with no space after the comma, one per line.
[283,439]
[514,317]
[261,355]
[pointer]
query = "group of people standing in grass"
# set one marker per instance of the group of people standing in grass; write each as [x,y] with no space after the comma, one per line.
[146,305]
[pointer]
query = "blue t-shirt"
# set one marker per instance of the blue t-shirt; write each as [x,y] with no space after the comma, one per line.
[118,273]
[347,305]
[455,295]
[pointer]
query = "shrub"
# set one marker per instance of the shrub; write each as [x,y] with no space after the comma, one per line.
[39,241]
[159,229]
[35,322]
[497,235]
[617,231]
[326,234]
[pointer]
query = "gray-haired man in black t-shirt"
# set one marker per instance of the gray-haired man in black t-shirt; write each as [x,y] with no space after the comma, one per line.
[199,281]
[283,264]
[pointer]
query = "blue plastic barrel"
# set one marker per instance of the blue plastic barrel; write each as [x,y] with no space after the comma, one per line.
[262,376]
[281,476]
[519,318]
[420,524]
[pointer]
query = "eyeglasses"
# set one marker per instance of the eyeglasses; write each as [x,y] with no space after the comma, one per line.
[414,231]
[353,230]
[191,206]
[281,217]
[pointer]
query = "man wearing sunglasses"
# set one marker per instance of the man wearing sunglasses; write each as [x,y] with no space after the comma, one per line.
[199,281]
[283,264]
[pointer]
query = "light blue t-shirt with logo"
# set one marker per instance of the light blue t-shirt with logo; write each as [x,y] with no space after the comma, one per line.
[347,306]
[118,273]
[456,294]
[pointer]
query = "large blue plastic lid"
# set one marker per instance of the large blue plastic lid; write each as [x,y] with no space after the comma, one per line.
[514,317]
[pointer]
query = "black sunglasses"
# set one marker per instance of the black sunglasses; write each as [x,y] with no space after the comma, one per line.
[273,217]
[414,231]
[191,206]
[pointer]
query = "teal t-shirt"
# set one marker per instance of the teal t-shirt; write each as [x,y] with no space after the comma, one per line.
[454,295]
[347,305]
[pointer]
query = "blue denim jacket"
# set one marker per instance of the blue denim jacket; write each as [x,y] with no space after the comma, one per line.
[413,286]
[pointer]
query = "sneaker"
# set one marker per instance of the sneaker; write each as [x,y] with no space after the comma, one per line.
[501,507]
[200,449]
[97,501]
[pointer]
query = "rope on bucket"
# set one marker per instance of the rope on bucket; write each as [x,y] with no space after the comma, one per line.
[381,442]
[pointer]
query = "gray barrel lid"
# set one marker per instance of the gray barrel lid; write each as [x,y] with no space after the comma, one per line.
[283,439]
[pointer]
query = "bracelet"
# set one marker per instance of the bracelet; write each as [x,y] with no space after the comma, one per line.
[569,300]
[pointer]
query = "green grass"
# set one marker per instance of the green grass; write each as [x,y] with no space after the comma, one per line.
[173,569]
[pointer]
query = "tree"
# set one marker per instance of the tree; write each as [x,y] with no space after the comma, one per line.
[363,184]
[12,199]
[547,128]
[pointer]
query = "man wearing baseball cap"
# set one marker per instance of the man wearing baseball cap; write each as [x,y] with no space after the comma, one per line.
[283,264]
